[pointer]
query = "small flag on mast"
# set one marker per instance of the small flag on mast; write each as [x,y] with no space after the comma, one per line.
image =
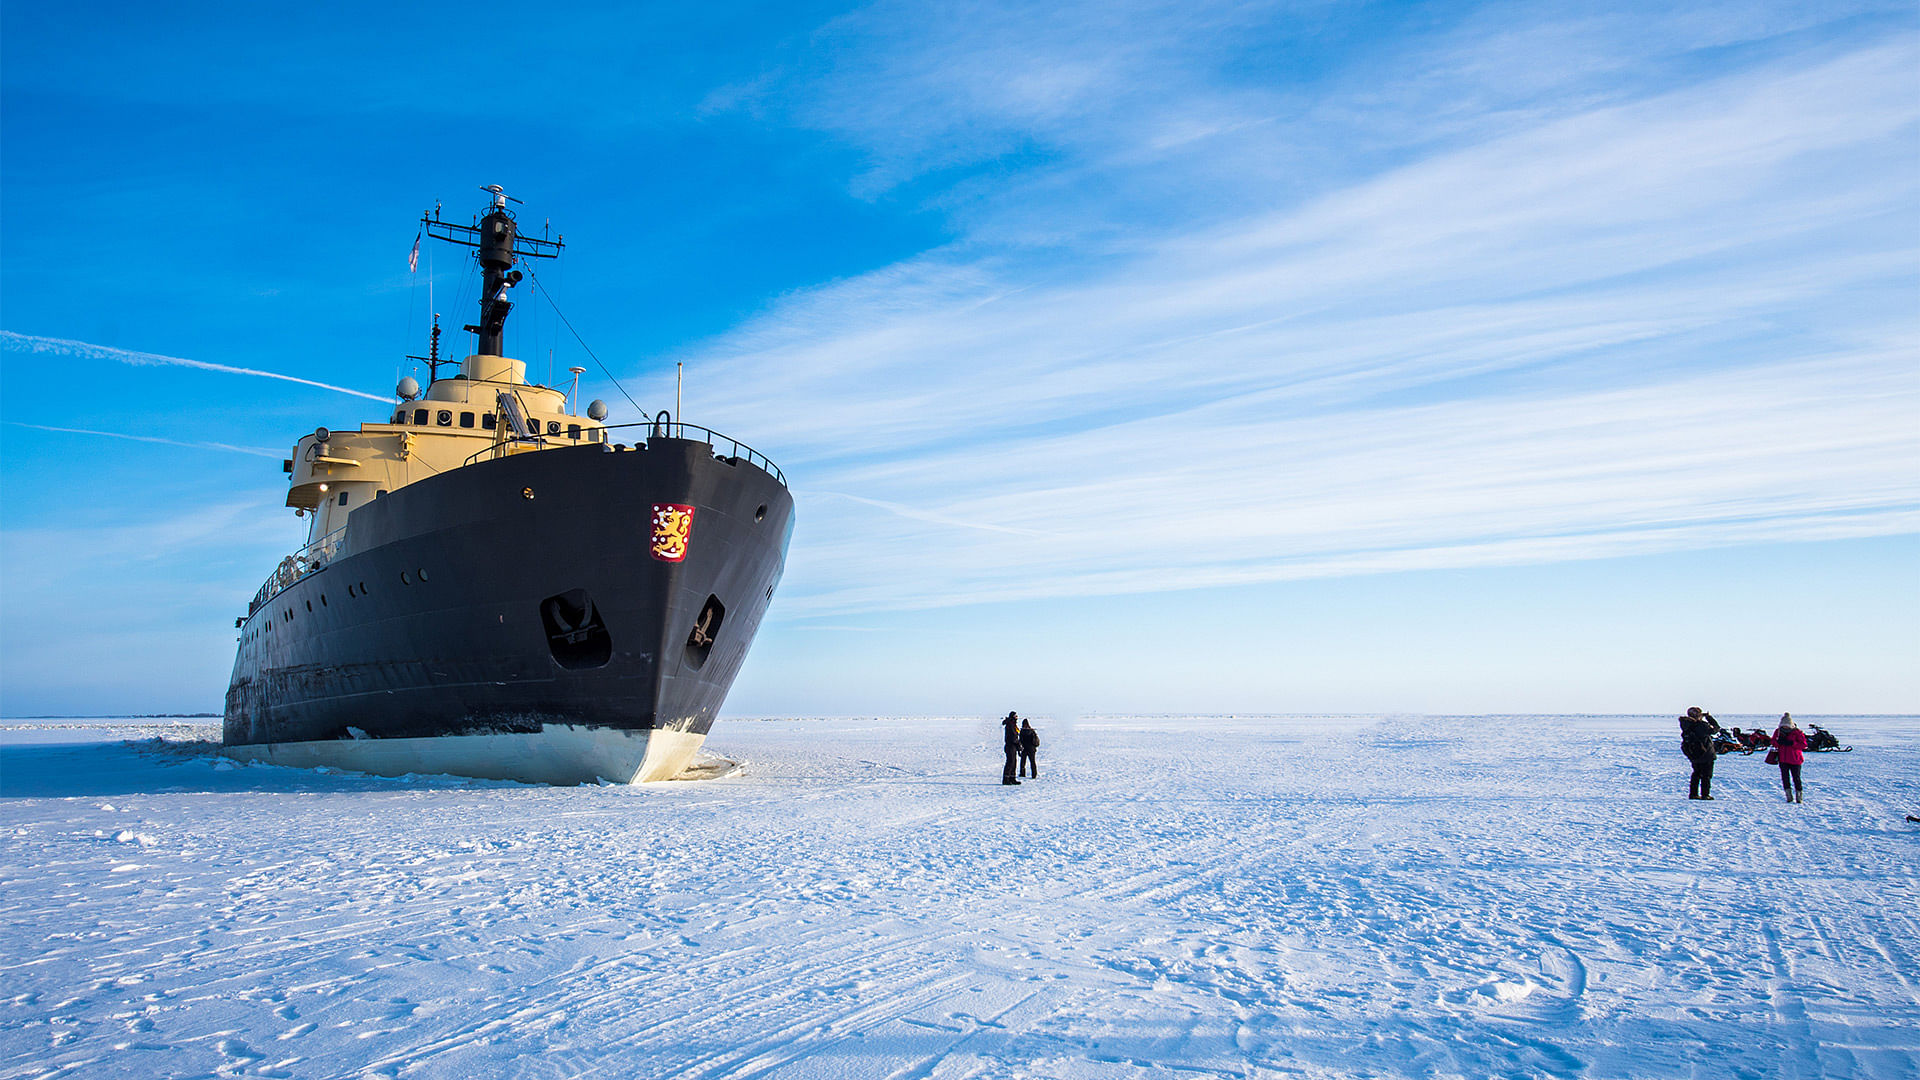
[413,257]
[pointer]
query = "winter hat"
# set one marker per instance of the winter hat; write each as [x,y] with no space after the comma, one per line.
[1786,721]
[1695,711]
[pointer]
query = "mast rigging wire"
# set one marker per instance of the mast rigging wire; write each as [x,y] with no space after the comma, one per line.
[535,278]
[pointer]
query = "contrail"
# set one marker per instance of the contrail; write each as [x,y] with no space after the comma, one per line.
[13,342]
[152,439]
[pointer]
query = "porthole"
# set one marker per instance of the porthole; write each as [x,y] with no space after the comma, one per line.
[444,417]
[363,588]
[309,605]
[553,427]
[421,573]
[404,579]
[761,513]
[323,599]
[351,591]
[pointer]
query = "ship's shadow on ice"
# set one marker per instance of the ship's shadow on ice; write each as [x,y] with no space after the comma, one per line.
[56,770]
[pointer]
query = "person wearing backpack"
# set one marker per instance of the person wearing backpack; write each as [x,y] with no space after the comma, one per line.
[1696,741]
[1029,746]
[1791,744]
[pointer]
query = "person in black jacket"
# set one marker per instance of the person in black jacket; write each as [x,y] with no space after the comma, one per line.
[1029,745]
[1697,729]
[1012,725]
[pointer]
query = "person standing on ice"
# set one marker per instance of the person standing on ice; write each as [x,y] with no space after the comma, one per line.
[1012,726]
[1696,741]
[1791,744]
[1029,745]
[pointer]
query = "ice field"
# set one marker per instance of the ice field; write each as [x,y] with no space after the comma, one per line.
[1174,897]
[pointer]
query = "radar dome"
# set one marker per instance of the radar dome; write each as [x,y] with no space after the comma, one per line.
[597,410]
[408,389]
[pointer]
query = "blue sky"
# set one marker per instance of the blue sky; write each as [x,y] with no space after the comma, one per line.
[1161,357]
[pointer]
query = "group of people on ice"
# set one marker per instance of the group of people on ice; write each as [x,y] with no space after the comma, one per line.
[1703,740]
[1022,743]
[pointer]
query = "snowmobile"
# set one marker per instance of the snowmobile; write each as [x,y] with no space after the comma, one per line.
[1820,740]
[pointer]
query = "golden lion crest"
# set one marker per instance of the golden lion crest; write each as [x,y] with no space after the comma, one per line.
[672,531]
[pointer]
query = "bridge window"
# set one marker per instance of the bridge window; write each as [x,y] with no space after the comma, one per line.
[486,420]
[466,419]
[420,417]
[444,417]
[400,416]
[343,498]
[573,431]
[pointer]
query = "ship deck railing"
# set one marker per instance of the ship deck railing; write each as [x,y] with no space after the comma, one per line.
[308,559]
[661,429]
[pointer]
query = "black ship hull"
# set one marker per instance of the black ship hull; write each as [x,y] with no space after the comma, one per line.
[512,619]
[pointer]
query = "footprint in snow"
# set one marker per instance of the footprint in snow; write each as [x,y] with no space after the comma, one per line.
[1493,993]
[237,1053]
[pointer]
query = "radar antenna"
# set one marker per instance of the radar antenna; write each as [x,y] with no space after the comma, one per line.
[498,240]
[432,359]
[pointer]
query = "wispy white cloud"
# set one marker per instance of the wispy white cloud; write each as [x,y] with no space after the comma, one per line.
[1604,324]
[255,451]
[61,347]
[1815,450]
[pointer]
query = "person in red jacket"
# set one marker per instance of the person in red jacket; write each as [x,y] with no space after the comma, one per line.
[1791,743]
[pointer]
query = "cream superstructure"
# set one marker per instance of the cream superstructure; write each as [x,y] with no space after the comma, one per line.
[456,422]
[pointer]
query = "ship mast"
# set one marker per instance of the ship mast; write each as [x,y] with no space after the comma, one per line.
[499,243]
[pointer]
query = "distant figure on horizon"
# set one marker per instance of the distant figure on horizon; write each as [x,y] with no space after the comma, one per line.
[1791,743]
[1696,741]
[1012,725]
[1029,745]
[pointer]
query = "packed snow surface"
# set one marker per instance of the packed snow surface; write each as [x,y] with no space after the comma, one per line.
[1235,897]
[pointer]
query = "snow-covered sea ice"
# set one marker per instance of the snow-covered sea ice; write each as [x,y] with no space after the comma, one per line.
[1235,897]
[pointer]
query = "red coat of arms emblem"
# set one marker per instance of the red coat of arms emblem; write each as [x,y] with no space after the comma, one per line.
[672,531]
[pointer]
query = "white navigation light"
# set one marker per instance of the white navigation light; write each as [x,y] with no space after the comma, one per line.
[597,410]
[408,389]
